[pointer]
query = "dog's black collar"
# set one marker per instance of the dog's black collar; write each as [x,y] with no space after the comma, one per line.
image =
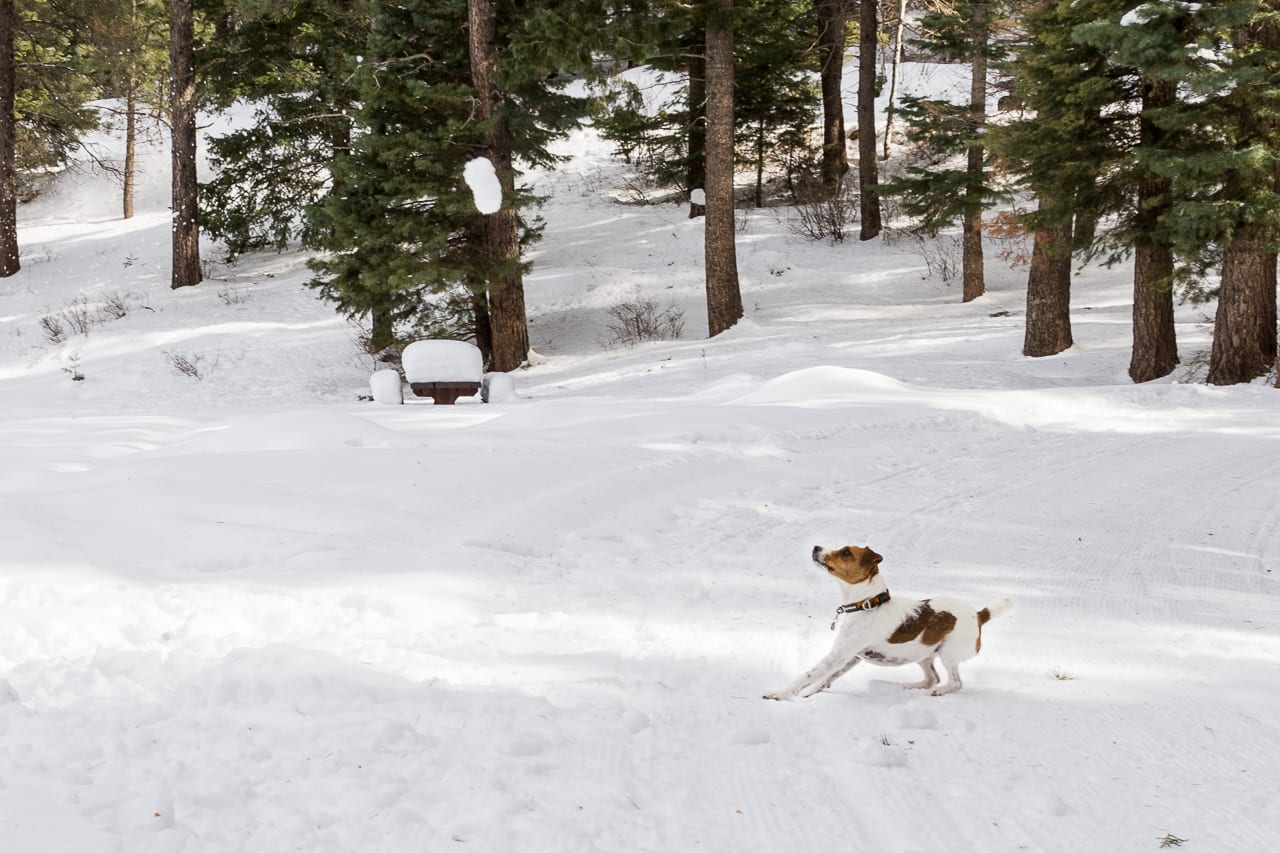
[856,606]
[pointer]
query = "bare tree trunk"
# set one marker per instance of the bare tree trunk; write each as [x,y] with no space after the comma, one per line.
[1244,332]
[697,164]
[1155,344]
[898,29]
[182,98]
[130,120]
[501,232]
[9,255]
[130,146]
[868,165]
[972,261]
[1048,329]
[724,297]
[831,41]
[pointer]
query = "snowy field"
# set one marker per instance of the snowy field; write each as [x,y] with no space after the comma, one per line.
[244,610]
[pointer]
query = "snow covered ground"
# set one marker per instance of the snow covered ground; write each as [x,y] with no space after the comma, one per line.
[242,610]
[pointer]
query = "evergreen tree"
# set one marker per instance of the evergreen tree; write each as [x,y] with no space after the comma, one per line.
[868,165]
[405,244]
[182,119]
[53,85]
[724,296]
[831,18]
[1225,178]
[296,61]
[129,63]
[1147,51]
[957,187]
[9,251]
[1068,93]
[772,115]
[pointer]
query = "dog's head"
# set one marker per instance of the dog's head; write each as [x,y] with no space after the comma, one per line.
[850,564]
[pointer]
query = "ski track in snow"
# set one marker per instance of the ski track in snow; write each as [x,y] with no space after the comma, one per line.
[247,612]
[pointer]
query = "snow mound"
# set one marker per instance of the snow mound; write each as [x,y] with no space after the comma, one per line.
[386,387]
[822,384]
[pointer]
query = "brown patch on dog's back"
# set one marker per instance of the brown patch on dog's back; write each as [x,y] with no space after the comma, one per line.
[984,616]
[851,563]
[931,626]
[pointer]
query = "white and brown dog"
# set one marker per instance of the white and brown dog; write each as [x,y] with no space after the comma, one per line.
[890,632]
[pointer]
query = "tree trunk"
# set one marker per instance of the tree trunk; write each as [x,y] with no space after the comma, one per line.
[182,97]
[1049,292]
[130,146]
[1155,344]
[868,165]
[972,261]
[500,241]
[1244,333]
[9,255]
[696,178]
[130,118]
[724,298]
[1155,349]
[831,40]
[898,30]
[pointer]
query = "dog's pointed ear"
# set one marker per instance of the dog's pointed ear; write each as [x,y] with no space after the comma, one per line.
[873,557]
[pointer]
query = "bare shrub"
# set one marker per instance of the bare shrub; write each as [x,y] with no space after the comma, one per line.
[639,319]
[74,318]
[55,331]
[941,253]
[77,315]
[234,296]
[820,214]
[186,365]
[115,306]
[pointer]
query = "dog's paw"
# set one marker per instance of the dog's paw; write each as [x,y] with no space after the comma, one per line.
[780,696]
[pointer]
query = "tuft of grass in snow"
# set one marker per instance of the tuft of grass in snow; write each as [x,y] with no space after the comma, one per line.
[1171,840]
[1059,674]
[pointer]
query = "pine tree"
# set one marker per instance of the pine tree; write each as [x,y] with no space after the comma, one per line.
[946,193]
[54,86]
[9,252]
[831,17]
[129,63]
[1225,169]
[724,297]
[868,165]
[406,249]
[296,60]
[772,115]
[1146,49]
[182,112]
[1067,93]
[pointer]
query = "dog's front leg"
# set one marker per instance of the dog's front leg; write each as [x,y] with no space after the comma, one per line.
[837,662]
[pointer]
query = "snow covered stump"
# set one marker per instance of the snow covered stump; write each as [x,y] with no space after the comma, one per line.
[443,370]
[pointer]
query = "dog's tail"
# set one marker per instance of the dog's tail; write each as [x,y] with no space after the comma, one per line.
[990,612]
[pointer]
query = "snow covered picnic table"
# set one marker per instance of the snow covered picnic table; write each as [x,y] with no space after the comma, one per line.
[443,370]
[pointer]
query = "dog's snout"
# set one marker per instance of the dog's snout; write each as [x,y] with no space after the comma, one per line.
[817,552]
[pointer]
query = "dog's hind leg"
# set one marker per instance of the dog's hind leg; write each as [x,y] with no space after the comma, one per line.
[930,675]
[953,678]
